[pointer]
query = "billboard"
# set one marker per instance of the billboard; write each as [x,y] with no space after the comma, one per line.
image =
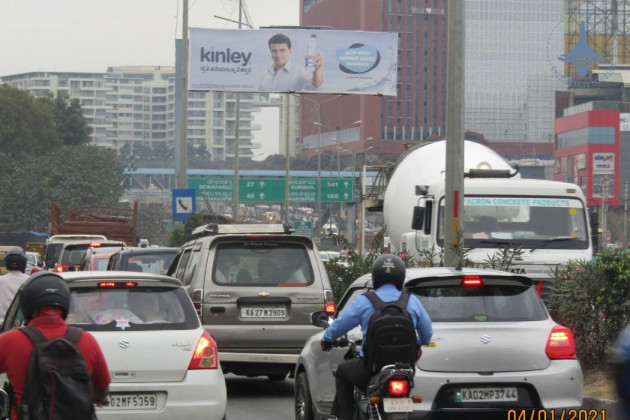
[293,60]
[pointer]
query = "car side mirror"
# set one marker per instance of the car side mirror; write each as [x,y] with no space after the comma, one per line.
[418,218]
[4,404]
[320,319]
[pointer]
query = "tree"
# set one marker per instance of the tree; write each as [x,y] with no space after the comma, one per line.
[70,122]
[152,222]
[27,125]
[68,175]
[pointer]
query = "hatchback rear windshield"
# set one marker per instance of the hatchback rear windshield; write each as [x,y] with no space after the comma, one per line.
[134,309]
[150,263]
[488,303]
[262,263]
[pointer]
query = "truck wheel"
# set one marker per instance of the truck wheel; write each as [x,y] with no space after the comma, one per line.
[303,402]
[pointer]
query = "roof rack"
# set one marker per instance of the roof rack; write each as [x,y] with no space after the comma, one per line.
[212,229]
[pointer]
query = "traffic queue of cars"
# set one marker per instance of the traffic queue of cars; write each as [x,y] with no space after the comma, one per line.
[243,299]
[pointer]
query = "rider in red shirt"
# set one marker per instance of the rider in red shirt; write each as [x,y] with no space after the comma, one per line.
[44,301]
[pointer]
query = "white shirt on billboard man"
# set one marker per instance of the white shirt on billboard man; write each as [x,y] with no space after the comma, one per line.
[283,75]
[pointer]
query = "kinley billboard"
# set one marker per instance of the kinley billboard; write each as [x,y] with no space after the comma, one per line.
[293,60]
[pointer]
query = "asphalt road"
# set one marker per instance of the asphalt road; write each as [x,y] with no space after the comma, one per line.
[259,398]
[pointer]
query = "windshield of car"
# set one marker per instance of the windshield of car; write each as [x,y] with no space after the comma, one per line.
[487,303]
[142,308]
[266,263]
[31,259]
[150,263]
[491,221]
[52,254]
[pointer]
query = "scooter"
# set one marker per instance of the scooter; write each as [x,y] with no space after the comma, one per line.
[387,396]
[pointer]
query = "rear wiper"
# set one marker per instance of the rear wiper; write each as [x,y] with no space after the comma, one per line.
[550,241]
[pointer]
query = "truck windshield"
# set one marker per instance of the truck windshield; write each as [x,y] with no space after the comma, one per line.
[532,222]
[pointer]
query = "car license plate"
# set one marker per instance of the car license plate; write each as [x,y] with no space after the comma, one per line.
[263,312]
[397,405]
[131,402]
[465,395]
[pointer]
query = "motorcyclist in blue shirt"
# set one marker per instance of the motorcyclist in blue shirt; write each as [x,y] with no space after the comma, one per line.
[388,276]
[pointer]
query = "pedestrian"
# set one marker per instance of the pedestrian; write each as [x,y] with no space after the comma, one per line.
[15,262]
[44,302]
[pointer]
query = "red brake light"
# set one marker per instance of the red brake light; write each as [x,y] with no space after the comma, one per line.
[330,308]
[95,244]
[117,284]
[398,387]
[60,268]
[539,288]
[205,354]
[560,344]
[472,281]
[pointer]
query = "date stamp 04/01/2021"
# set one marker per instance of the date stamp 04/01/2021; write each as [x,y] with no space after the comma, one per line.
[571,414]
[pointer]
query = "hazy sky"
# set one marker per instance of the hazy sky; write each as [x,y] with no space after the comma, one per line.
[90,35]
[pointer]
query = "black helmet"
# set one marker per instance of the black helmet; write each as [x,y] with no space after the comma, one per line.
[15,260]
[44,289]
[388,269]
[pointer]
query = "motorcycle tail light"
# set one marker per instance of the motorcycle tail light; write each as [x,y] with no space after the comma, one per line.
[398,387]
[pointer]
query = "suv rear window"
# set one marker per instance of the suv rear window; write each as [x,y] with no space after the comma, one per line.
[278,264]
[488,303]
[136,309]
[150,263]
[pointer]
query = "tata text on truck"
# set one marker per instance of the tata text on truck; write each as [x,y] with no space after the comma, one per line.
[548,219]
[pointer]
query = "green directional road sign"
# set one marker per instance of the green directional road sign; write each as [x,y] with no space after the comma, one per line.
[303,228]
[212,189]
[271,190]
[337,190]
[260,190]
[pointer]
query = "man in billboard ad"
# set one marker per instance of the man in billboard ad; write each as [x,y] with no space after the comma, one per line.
[356,62]
[284,75]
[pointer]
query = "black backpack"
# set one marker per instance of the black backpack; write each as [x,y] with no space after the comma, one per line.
[58,384]
[391,335]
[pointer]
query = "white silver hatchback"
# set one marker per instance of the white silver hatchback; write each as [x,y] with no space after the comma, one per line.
[494,348]
[163,364]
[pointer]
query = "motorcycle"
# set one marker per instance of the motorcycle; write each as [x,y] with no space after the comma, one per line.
[387,396]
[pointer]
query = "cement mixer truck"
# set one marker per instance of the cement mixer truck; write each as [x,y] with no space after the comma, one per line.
[548,219]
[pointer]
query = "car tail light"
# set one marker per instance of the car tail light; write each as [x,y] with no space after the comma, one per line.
[197,301]
[95,244]
[472,281]
[205,354]
[330,308]
[398,387]
[60,268]
[560,344]
[539,288]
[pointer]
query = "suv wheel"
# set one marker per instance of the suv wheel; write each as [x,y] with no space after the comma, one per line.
[303,403]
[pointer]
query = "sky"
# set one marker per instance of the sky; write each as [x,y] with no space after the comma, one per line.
[91,35]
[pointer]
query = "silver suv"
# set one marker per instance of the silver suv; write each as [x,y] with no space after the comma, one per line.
[255,288]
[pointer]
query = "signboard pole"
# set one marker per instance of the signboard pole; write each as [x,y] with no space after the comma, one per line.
[237,139]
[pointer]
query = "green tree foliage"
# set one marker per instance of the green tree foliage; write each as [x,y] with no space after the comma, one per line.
[70,176]
[342,275]
[70,122]
[589,297]
[27,124]
[182,233]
